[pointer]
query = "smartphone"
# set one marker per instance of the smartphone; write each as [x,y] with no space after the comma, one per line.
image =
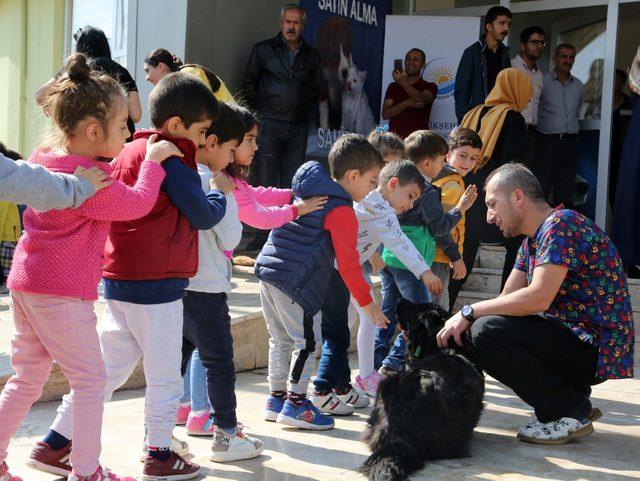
[398,65]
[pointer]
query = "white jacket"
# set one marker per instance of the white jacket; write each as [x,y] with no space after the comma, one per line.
[214,267]
[378,224]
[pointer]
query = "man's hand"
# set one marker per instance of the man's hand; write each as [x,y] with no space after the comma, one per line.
[459,269]
[376,315]
[433,282]
[311,204]
[400,77]
[455,326]
[223,182]
[99,180]
[468,198]
[159,151]
[377,264]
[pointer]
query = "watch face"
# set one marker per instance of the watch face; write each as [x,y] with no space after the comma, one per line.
[466,311]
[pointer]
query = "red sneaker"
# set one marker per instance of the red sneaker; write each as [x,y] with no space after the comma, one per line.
[173,469]
[52,461]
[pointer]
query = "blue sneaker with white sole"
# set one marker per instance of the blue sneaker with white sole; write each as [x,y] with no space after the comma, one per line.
[274,406]
[305,416]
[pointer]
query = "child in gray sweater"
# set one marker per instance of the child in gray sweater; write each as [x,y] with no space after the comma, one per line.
[35,186]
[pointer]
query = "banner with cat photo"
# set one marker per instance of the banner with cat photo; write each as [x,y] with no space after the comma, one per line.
[443,39]
[349,35]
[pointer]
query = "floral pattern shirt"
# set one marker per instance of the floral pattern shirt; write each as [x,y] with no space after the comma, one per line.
[593,300]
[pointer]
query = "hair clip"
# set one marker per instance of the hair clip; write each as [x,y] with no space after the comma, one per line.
[382,128]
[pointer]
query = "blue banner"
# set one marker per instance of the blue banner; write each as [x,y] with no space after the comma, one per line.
[349,35]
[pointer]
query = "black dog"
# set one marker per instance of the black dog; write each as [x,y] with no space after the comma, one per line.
[430,410]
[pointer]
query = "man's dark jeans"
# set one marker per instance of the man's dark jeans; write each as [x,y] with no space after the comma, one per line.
[282,147]
[334,371]
[541,359]
[556,165]
[207,326]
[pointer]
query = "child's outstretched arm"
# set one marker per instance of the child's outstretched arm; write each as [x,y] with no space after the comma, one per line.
[437,221]
[342,224]
[42,190]
[272,196]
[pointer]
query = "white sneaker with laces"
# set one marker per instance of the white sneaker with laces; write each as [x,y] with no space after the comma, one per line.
[331,404]
[560,431]
[178,446]
[227,447]
[354,397]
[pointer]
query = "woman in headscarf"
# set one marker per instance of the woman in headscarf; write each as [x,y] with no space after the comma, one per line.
[501,127]
[625,229]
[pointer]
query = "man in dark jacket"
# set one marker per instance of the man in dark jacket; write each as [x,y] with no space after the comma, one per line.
[281,83]
[482,61]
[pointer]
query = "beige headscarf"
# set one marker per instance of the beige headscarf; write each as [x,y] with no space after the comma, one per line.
[634,74]
[512,91]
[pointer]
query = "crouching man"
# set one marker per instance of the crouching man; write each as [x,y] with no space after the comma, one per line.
[563,321]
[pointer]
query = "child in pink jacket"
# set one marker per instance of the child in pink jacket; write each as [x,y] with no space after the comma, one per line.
[263,207]
[57,263]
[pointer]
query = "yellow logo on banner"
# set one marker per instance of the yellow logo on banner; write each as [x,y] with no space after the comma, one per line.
[442,74]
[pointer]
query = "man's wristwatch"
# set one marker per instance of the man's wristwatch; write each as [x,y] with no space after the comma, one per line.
[467,313]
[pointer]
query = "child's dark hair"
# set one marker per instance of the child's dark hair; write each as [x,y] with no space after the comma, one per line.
[424,144]
[228,125]
[461,136]
[184,96]
[8,153]
[405,171]
[353,152]
[249,121]
[160,55]
[386,142]
[80,93]
[92,42]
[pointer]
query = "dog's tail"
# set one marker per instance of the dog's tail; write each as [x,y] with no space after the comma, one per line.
[389,466]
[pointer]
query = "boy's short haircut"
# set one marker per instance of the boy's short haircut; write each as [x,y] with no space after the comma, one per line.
[184,96]
[353,152]
[229,124]
[461,136]
[405,171]
[424,144]
[386,142]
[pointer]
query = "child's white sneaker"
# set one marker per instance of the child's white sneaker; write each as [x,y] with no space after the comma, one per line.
[331,404]
[555,432]
[5,475]
[233,447]
[369,385]
[353,397]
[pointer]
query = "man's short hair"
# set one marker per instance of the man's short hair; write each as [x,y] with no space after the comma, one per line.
[353,152]
[495,12]
[424,144]
[416,49]
[461,136]
[181,95]
[525,35]
[405,171]
[512,176]
[292,6]
[566,46]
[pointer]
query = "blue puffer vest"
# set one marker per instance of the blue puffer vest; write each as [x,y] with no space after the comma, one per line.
[298,257]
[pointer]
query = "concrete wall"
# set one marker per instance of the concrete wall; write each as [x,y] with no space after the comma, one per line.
[220,34]
[31,44]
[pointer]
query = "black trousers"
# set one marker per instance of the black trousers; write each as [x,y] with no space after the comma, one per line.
[556,165]
[528,150]
[541,359]
[282,149]
[469,254]
[207,327]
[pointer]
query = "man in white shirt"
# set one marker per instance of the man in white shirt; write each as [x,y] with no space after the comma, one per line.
[532,43]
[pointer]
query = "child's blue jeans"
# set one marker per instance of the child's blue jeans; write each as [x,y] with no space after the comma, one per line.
[396,284]
[195,384]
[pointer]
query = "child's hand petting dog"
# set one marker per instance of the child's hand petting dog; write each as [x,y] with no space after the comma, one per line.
[376,315]
[433,282]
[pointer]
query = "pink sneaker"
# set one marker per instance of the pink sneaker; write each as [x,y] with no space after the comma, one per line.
[102,474]
[183,413]
[200,425]
[5,475]
[369,385]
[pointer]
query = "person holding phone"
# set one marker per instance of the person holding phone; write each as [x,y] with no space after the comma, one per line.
[409,98]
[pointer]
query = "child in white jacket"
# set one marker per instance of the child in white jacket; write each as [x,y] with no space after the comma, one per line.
[399,185]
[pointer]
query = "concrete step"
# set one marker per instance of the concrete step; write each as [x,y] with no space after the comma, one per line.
[469,297]
[484,279]
[490,256]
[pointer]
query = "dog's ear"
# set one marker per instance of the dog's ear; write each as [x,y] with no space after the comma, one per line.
[434,318]
[405,311]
